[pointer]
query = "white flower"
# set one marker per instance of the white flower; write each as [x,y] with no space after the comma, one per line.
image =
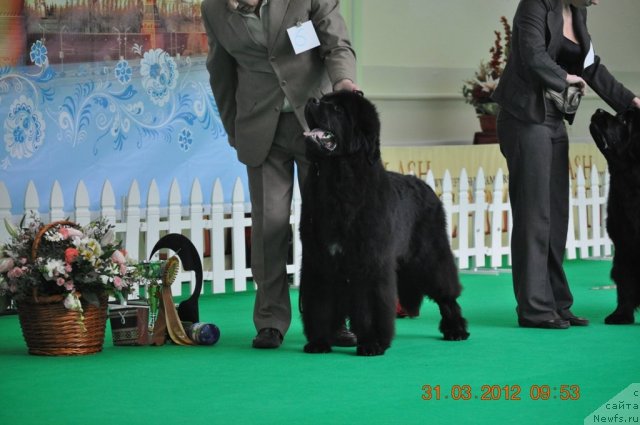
[108,238]
[6,264]
[489,85]
[53,236]
[53,269]
[71,302]
[89,249]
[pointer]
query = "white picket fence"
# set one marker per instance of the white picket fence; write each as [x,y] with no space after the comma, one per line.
[478,216]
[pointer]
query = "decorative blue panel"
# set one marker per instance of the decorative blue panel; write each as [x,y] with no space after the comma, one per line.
[151,116]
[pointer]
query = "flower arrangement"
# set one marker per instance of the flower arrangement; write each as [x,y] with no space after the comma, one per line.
[477,91]
[66,260]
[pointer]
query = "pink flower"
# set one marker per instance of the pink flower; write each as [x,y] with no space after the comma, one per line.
[15,273]
[70,232]
[118,257]
[60,281]
[68,285]
[68,268]
[118,282]
[6,264]
[70,254]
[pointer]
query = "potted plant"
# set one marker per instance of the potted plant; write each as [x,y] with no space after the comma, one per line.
[478,90]
[60,275]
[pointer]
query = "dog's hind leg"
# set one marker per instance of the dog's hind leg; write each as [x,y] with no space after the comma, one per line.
[410,292]
[444,288]
[452,325]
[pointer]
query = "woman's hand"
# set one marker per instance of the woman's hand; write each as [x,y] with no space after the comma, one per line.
[636,102]
[577,81]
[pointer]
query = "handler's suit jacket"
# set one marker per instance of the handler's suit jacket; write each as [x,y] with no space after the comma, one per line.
[537,35]
[250,81]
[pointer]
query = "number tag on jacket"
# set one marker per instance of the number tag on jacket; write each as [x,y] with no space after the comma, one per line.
[303,37]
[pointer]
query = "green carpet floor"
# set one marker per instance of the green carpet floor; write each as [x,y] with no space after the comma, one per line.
[233,383]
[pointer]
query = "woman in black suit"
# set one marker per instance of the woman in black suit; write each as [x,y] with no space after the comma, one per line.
[550,49]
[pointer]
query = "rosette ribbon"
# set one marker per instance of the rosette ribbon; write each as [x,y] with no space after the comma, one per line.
[168,320]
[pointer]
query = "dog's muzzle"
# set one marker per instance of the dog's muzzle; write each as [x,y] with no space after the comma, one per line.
[322,138]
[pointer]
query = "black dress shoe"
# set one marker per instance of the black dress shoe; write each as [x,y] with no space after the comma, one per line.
[573,319]
[345,338]
[545,324]
[267,338]
[577,321]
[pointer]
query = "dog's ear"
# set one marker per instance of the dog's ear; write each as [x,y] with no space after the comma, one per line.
[371,142]
[374,155]
[370,129]
[367,144]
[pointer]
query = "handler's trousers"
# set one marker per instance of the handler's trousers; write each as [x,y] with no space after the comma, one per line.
[538,160]
[271,191]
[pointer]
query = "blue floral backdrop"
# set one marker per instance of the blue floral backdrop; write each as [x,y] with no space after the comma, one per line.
[152,116]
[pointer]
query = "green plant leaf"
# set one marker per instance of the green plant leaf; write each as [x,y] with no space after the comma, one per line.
[12,230]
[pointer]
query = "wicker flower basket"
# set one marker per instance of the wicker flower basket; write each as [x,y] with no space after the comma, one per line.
[50,329]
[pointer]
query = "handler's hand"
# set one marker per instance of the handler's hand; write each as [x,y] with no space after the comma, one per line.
[574,80]
[636,102]
[244,6]
[345,84]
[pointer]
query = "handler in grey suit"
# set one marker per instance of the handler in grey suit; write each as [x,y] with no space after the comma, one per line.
[550,48]
[261,87]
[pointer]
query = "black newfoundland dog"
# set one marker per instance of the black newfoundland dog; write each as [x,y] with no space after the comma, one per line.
[369,237]
[618,138]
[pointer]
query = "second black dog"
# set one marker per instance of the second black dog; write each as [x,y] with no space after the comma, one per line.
[369,237]
[618,138]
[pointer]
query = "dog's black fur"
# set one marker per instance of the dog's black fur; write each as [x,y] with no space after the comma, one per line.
[369,237]
[618,138]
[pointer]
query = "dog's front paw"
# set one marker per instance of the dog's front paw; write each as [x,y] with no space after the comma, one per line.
[617,318]
[317,348]
[456,335]
[371,349]
[454,330]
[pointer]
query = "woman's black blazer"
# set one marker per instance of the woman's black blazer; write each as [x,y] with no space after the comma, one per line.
[531,67]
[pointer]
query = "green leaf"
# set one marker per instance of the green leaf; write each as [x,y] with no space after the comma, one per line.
[12,230]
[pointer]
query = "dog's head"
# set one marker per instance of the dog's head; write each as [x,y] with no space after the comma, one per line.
[343,123]
[617,136]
